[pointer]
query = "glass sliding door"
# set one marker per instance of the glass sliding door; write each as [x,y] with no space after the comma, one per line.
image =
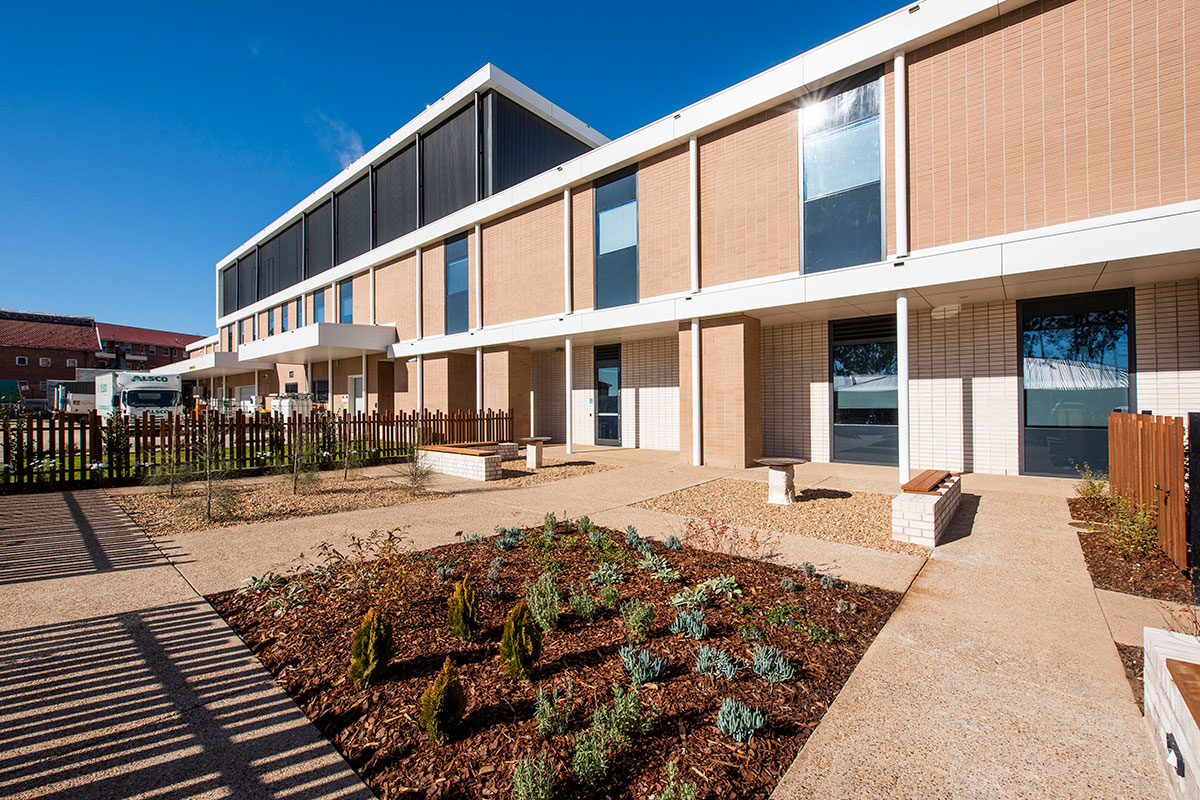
[608,395]
[863,364]
[1076,353]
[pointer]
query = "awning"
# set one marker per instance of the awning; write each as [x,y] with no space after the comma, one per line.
[211,365]
[321,341]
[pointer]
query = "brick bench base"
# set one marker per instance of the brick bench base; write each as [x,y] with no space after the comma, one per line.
[1168,711]
[923,518]
[485,467]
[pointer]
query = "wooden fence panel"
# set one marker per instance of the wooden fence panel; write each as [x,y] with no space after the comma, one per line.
[1145,464]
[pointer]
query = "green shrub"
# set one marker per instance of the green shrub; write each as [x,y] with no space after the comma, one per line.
[493,573]
[596,537]
[372,647]
[673,543]
[631,537]
[521,643]
[549,522]
[1133,528]
[584,525]
[770,665]
[443,703]
[739,721]
[508,538]
[689,623]
[581,602]
[723,584]
[808,569]
[533,779]
[610,598]
[543,601]
[638,617]
[675,788]
[590,760]
[607,575]
[828,582]
[641,665]
[718,664]
[789,585]
[696,597]
[1093,484]
[552,714]
[625,718]
[462,611]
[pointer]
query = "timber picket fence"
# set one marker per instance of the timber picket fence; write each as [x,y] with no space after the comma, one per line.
[70,450]
[1145,464]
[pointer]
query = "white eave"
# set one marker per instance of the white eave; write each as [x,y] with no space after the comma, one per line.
[200,344]
[211,365]
[318,342]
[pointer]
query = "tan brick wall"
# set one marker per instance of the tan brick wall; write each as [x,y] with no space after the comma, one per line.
[405,384]
[395,296]
[663,228]
[650,394]
[749,199]
[796,390]
[583,249]
[522,264]
[362,299]
[731,390]
[549,388]
[1055,112]
[450,382]
[433,290]
[1167,342]
[506,382]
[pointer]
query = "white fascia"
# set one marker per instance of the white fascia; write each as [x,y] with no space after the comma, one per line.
[200,344]
[871,44]
[1136,234]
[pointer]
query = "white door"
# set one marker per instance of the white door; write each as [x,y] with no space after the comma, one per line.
[245,397]
[358,397]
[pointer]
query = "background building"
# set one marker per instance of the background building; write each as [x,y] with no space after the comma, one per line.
[125,347]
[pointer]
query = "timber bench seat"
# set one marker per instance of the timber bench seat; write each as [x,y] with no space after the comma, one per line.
[462,450]
[922,511]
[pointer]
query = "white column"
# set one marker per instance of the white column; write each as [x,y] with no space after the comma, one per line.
[223,392]
[697,387]
[694,211]
[570,432]
[420,300]
[531,433]
[900,123]
[329,383]
[902,382]
[371,295]
[420,383]
[256,386]
[568,299]
[364,382]
[478,278]
[479,379]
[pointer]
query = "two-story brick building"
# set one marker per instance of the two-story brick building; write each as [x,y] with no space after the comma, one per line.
[38,348]
[956,237]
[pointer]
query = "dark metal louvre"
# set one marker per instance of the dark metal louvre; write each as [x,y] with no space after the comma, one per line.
[862,329]
[353,231]
[229,289]
[289,270]
[247,269]
[268,263]
[519,144]
[448,166]
[318,248]
[396,196]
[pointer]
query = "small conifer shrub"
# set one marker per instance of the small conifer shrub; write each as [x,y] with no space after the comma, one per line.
[789,585]
[521,643]
[443,703]
[372,647]
[463,613]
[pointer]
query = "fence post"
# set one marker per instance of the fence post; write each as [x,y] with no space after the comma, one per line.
[1193,518]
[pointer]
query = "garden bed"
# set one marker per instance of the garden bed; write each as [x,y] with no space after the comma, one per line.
[307,647]
[1133,659]
[244,503]
[1150,575]
[858,518]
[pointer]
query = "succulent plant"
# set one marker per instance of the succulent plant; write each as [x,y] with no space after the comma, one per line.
[689,623]
[738,720]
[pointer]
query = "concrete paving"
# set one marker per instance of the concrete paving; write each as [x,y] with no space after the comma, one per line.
[117,681]
[1127,615]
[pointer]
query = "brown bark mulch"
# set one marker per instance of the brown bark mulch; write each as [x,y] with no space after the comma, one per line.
[377,731]
[1134,662]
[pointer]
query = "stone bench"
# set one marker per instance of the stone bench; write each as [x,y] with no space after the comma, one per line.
[922,511]
[506,450]
[477,464]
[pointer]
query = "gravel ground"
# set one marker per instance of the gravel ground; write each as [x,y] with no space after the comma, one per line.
[860,518]
[515,473]
[160,515]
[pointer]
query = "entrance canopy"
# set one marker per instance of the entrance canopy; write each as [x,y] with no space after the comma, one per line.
[211,365]
[321,341]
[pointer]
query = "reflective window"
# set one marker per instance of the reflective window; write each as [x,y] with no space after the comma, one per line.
[300,312]
[319,306]
[283,318]
[616,278]
[843,201]
[864,367]
[271,323]
[458,316]
[346,301]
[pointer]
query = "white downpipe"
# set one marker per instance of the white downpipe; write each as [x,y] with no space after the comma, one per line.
[329,383]
[694,211]
[371,295]
[900,124]
[902,382]
[364,382]
[697,388]
[568,286]
[479,379]
[570,436]
[420,301]
[478,277]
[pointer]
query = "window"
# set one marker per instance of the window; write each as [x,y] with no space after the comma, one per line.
[42,385]
[319,306]
[142,349]
[283,318]
[616,239]
[291,388]
[72,362]
[43,362]
[128,347]
[843,192]
[321,391]
[22,361]
[318,253]
[271,322]
[346,304]
[229,337]
[23,385]
[152,350]
[254,327]
[300,312]
[241,331]
[864,368]
[352,233]
[458,312]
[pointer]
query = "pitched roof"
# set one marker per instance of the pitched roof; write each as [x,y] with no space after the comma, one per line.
[19,329]
[127,333]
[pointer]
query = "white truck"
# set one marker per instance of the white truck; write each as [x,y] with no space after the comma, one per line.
[132,393]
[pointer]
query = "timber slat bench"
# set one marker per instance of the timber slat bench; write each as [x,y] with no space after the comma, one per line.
[474,463]
[922,511]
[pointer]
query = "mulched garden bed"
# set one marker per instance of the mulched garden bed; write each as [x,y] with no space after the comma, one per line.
[307,648]
[1134,663]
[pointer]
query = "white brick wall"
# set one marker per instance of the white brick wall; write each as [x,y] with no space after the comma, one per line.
[923,518]
[583,396]
[1167,341]
[1166,711]
[549,391]
[650,394]
[796,390]
[476,468]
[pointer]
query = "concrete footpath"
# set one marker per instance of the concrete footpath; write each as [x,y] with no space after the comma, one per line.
[118,681]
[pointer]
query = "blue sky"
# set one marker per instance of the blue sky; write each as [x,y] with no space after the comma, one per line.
[140,142]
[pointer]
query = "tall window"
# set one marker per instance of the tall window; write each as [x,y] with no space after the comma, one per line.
[319,306]
[300,312]
[283,317]
[229,339]
[616,239]
[843,190]
[346,301]
[863,362]
[241,332]
[271,322]
[458,316]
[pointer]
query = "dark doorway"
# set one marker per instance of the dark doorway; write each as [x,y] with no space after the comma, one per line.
[608,395]
[862,354]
